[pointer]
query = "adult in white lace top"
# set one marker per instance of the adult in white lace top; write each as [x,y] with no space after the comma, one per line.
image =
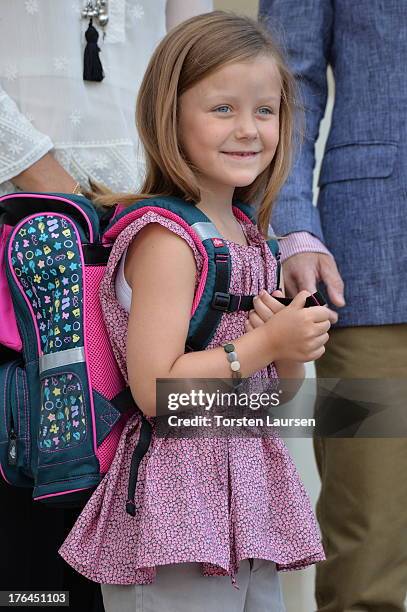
[77,129]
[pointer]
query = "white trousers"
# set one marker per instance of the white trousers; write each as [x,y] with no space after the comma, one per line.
[181,587]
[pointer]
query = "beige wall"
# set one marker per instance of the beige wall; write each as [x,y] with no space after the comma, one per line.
[248,7]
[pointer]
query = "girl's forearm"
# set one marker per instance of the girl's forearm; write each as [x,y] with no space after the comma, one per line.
[254,351]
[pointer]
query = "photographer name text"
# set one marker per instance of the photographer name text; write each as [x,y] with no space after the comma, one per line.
[218,420]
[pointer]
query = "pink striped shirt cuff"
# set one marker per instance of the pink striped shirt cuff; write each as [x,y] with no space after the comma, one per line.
[300,242]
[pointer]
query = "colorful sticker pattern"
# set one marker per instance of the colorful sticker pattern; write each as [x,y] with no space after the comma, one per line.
[62,419]
[47,263]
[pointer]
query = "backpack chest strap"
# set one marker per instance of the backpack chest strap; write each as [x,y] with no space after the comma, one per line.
[222,299]
[218,299]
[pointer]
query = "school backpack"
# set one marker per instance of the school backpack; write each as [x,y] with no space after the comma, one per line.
[63,400]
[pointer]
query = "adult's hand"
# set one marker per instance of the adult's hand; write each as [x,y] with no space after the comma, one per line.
[45,175]
[305,270]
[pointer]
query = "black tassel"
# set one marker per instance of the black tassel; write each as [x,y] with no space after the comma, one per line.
[92,66]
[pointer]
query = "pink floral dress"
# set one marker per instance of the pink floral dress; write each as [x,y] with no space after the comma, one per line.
[210,500]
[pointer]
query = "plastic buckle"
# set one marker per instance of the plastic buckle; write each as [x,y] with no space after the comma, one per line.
[221,301]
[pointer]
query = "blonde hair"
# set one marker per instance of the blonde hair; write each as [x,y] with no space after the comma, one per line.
[188,53]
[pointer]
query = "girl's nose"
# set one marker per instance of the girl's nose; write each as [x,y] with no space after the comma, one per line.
[246,126]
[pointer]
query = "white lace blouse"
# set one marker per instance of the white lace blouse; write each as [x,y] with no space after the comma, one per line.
[45,104]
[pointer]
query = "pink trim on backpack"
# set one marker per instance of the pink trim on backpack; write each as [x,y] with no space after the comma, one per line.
[119,208]
[9,334]
[17,282]
[84,299]
[115,230]
[62,493]
[47,197]
[241,215]
[3,475]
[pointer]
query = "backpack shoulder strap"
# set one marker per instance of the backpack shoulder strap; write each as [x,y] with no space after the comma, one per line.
[212,296]
[248,213]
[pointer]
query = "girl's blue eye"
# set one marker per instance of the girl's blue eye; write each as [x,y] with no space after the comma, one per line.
[267,109]
[219,107]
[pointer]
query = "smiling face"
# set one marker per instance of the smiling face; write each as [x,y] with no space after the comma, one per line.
[229,124]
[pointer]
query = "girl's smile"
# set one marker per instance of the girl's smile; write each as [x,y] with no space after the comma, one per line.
[241,156]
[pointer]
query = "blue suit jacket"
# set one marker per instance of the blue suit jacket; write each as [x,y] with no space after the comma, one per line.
[362,206]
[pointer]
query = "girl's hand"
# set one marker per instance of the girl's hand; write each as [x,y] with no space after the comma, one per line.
[264,308]
[297,333]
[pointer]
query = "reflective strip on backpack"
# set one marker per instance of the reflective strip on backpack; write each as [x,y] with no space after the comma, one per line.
[205,230]
[62,358]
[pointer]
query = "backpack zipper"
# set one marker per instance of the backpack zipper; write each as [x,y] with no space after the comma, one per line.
[12,447]
[12,435]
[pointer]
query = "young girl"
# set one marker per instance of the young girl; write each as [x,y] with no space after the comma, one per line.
[215,115]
